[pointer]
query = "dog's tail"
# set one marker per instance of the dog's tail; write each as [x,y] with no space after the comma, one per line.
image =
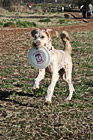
[66,41]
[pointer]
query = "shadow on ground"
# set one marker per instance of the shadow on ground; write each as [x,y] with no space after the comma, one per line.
[4,96]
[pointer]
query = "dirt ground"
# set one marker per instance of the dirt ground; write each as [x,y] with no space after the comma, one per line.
[23,115]
[74,28]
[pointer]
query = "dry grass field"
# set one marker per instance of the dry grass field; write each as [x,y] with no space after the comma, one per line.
[23,114]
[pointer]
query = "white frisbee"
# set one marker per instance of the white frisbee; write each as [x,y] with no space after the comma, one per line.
[39,58]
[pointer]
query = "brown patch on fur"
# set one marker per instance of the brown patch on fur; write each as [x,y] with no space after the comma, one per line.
[39,43]
[53,34]
[47,34]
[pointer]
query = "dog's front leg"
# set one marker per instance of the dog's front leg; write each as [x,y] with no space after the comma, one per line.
[50,90]
[38,79]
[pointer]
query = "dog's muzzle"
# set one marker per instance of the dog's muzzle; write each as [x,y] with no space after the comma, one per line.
[36,44]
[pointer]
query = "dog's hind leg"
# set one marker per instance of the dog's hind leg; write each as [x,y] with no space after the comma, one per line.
[71,90]
[69,81]
[40,76]
[50,90]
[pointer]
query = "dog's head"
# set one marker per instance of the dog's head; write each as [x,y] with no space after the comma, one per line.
[43,37]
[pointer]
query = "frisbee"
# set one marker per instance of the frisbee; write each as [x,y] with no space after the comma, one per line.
[39,58]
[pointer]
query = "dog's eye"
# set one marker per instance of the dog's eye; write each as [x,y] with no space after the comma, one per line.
[42,37]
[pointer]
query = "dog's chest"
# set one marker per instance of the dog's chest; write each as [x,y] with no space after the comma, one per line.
[57,62]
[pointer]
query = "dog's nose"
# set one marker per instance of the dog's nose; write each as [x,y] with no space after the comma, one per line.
[35,44]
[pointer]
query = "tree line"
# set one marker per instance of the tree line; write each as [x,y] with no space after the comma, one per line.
[7,3]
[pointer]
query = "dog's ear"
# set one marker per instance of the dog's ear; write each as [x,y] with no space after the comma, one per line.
[33,32]
[52,34]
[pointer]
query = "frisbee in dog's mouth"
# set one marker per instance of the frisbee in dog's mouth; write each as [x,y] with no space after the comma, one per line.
[39,58]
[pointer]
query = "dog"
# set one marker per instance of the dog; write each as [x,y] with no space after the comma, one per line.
[60,62]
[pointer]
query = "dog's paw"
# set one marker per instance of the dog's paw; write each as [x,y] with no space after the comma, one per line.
[47,100]
[67,99]
[35,87]
[47,103]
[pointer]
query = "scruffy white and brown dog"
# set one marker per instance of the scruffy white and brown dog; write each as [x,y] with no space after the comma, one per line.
[60,63]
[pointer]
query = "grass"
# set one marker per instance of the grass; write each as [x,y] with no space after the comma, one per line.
[25,24]
[45,20]
[23,114]
[20,24]
[67,22]
[26,19]
[1,24]
[8,24]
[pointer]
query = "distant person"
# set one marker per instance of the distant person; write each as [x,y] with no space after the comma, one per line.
[90,10]
[81,8]
[70,6]
[30,5]
[21,2]
[84,11]
[54,2]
